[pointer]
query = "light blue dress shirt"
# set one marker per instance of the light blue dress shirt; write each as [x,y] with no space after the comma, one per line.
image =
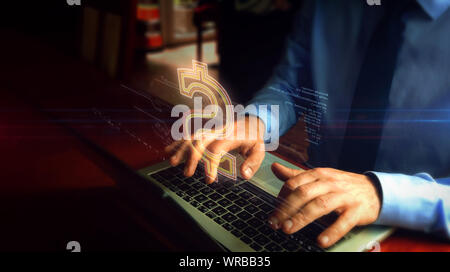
[325,52]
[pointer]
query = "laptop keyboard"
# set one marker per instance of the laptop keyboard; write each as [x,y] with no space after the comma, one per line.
[241,208]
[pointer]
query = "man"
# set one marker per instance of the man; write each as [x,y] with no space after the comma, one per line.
[386,71]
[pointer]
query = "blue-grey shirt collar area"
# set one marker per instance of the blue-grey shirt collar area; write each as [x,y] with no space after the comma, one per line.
[434,8]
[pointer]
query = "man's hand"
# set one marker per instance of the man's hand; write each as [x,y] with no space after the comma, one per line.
[252,149]
[309,195]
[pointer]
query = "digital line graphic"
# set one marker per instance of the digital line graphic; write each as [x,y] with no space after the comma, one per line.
[198,81]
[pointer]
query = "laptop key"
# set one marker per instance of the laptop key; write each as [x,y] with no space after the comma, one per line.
[166,174]
[184,187]
[234,209]
[190,181]
[245,195]
[219,211]
[187,198]
[203,209]
[227,226]
[266,208]
[197,175]
[219,220]
[232,196]
[176,181]
[251,209]
[246,239]
[229,217]
[244,215]
[297,238]
[228,183]
[180,194]
[211,214]
[180,176]
[215,196]
[312,230]
[206,190]
[273,247]
[250,232]
[256,247]
[210,204]
[239,224]
[200,198]
[261,215]
[192,192]
[214,186]
[224,202]
[222,191]
[255,223]
[237,233]
[195,204]
[266,230]
[236,189]
[290,246]
[198,186]
[241,202]
[277,237]
[261,240]
[202,180]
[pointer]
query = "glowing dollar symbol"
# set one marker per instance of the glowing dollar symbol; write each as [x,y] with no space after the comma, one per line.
[197,80]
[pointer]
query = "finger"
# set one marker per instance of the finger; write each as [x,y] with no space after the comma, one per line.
[245,150]
[195,154]
[313,210]
[180,153]
[338,229]
[304,177]
[297,199]
[170,149]
[252,163]
[284,173]
[197,149]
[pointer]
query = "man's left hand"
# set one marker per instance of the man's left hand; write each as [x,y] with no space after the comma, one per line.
[309,195]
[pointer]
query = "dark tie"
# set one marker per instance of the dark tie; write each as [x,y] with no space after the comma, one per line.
[370,101]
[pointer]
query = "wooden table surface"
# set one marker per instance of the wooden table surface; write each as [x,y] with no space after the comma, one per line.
[51,192]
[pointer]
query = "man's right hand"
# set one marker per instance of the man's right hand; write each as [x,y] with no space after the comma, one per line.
[251,149]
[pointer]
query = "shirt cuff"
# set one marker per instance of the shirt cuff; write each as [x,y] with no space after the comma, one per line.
[407,201]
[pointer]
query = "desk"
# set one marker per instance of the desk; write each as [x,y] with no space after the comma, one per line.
[52,193]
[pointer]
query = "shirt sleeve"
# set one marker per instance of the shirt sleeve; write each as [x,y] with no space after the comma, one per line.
[287,75]
[417,202]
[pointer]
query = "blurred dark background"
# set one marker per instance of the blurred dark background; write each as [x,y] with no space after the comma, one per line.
[138,40]
[59,60]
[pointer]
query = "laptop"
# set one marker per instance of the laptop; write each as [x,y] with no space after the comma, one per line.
[234,213]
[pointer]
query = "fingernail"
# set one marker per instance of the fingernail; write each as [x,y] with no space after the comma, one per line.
[210,180]
[324,240]
[273,221]
[288,224]
[248,172]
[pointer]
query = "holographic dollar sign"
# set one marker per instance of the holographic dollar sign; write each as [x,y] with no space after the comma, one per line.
[197,80]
